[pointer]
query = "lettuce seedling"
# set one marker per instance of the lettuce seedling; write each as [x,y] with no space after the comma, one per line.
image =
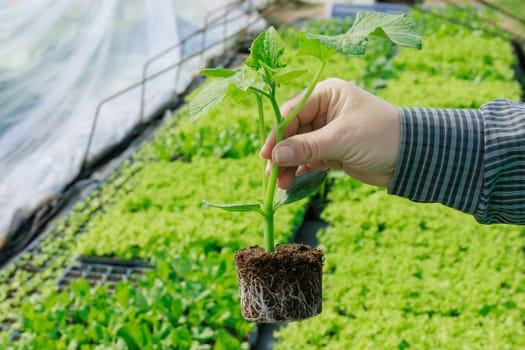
[264,71]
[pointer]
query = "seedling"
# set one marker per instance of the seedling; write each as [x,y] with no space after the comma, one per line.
[284,283]
[265,71]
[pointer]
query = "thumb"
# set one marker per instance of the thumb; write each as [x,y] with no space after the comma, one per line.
[315,146]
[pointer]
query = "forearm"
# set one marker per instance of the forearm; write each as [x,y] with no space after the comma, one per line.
[470,160]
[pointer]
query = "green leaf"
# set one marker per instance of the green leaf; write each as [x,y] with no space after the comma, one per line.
[265,48]
[241,80]
[146,336]
[213,94]
[303,186]
[206,333]
[226,341]
[217,72]
[80,288]
[313,47]
[176,309]
[122,293]
[240,84]
[181,338]
[240,207]
[163,270]
[286,77]
[208,98]
[399,29]
[130,334]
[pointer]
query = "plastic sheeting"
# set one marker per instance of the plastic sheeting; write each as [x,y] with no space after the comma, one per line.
[60,58]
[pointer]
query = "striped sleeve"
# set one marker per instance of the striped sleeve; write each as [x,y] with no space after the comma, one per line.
[470,160]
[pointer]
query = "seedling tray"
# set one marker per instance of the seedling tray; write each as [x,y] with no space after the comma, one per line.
[103,271]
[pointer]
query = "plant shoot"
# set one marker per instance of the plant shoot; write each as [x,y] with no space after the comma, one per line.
[264,71]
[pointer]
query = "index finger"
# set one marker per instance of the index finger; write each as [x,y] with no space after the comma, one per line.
[312,116]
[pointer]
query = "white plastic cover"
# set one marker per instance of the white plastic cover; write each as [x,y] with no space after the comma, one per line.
[60,58]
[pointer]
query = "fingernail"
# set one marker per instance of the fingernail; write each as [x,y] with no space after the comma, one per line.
[268,168]
[283,154]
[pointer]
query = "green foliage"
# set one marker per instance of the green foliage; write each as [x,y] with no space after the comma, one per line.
[37,272]
[226,134]
[265,51]
[401,275]
[472,67]
[187,302]
[413,89]
[473,58]
[399,29]
[244,207]
[426,276]
[302,187]
[165,212]
[229,131]
[266,61]
[232,84]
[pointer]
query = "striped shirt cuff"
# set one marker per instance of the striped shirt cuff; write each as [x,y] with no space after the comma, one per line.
[441,157]
[502,198]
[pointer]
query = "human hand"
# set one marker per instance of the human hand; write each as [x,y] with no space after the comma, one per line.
[343,127]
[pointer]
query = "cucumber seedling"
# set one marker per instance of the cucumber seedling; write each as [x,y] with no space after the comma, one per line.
[287,296]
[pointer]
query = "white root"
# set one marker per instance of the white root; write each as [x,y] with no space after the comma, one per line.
[272,302]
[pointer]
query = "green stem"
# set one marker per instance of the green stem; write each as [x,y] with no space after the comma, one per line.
[262,139]
[288,119]
[276,110]
[259,91]
[269,210]
[271,184]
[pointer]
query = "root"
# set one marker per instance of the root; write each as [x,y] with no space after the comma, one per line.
[279,301]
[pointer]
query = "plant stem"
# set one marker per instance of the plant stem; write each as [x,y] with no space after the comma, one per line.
[275,106]
[259,91]
[262,139]
[282,123]
[271,184]
[269,210]
[286,121]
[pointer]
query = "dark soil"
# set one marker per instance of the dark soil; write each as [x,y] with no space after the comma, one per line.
[282,286]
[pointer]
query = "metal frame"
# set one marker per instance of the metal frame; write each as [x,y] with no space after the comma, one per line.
[212,19]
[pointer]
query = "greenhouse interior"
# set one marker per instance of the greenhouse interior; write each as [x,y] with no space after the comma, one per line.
[154,112]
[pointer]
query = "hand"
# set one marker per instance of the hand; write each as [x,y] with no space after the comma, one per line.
[343,127]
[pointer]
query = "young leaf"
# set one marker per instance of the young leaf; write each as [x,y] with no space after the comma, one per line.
[287,77]
[399,29]
[130,334]
[313,47]
[303,186]
[242,80]
[122,294]
[241,207]
[208,98]
[215,92]
[265,49]
[217,72]
[241,83]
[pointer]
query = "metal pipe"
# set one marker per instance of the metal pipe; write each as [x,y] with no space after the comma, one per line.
[146,78]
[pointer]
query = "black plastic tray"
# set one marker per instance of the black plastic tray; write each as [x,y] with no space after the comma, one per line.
[102,271]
